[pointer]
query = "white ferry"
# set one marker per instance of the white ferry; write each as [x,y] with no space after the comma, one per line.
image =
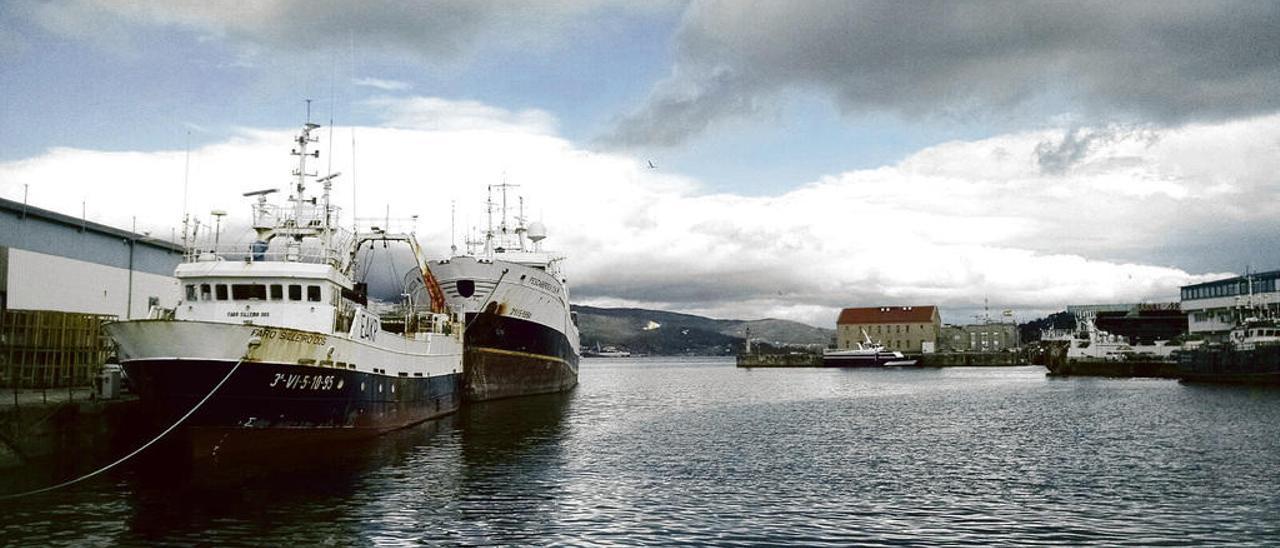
[867,354]
[275,342]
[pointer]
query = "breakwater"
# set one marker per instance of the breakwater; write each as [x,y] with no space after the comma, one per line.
[972,359]
[795,359]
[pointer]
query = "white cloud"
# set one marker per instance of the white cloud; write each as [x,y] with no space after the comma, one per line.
[434,114]
[950,225]
[384,85]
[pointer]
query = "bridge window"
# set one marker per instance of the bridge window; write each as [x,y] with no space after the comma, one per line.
[295,292]
[313,293]
[221,291]
[247,292]
[191,292]
[277,292]
[206,292]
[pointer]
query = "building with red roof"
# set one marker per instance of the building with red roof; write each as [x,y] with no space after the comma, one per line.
[903,328]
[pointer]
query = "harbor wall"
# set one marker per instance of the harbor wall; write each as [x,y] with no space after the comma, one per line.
[972,359]
[66,426]
[799,359]
[940,359]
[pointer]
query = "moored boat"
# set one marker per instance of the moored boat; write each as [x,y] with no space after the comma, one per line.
[866,354]
[1250,355]
[521,337]
[607,351]
[275,343]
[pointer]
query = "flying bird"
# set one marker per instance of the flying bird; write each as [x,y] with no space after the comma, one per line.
[651,166]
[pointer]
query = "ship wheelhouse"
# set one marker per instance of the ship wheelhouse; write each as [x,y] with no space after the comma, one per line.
[296,295]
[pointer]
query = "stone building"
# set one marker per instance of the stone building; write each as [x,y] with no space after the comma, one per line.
[908,329]
[981,337]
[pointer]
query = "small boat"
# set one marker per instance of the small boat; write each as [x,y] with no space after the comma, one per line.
[867,354]
[274,343]
[608,351]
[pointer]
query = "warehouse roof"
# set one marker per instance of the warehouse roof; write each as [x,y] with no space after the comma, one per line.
[886,314]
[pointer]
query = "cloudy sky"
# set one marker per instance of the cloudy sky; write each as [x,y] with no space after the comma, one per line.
[809,155]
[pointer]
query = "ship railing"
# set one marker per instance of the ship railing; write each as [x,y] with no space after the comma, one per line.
[307,215]
[251,253]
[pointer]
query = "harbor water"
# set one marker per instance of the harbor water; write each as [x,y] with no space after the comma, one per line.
[668,451]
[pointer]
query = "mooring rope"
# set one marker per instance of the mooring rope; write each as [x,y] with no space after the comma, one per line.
[487,298]
[136,451]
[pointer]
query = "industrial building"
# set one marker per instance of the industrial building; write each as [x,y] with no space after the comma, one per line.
[61,278]
[51,261]
[1213,308]
[911,329]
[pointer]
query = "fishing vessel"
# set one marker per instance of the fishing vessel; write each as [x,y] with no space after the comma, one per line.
[866,354]
[275,343]
[521,338]
[1250,355]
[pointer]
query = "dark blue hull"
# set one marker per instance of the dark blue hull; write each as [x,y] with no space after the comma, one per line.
[505,357]
[1218,364]
[879,359]
[264,405]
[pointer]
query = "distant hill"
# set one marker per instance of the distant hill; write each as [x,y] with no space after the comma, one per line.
[670,333]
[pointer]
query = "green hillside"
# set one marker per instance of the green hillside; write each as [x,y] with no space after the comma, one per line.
[656,332]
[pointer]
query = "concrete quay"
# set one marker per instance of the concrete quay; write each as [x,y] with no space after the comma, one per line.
[63,423]
[938,359]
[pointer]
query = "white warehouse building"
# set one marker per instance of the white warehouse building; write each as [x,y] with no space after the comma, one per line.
[51,261]
[1213,308]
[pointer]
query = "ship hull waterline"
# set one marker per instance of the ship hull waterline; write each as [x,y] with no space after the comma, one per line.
[265,406]
[868,360]
[505,357]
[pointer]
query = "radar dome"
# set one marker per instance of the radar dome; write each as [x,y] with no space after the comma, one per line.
[537,231]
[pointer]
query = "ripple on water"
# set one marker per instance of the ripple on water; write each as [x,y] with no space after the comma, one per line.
[660,451]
